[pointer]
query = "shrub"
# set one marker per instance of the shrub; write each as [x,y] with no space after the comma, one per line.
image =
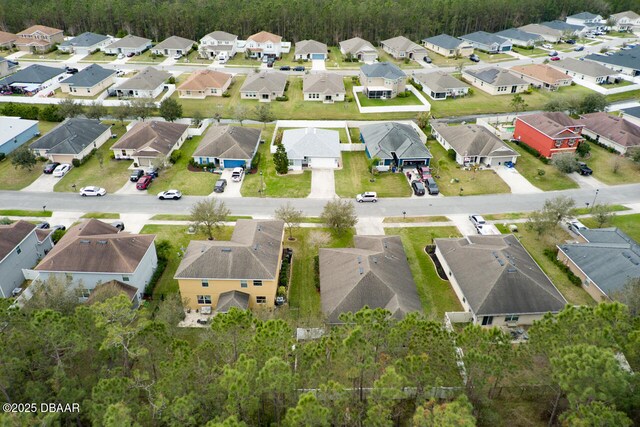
[552,255]
[112,155]
[172,80]
[57,235]
[541,172]
[282,98]
[2,156]
[226,94]
[451,153]
[416,84]
[470,91]
[163,251]
[76,163]
[316,272]
[348,98]
[283,279]
[175,156]
[404,94]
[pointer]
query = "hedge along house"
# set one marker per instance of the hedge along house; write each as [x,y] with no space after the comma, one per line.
[73,139]
[228,146]
[89,82]
[147,141]
[395,144]
[15,132]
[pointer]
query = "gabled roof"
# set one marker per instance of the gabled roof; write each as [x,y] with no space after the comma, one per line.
[633,112]
[542,72]
[584,16]
[609,258]
[473,140]
[553,124]
[439,81]
[129,41]
[624,58]
[7,37]
[252,253]
[482,37]
[562,26]
[222,36]
[229,142]
[14,126]
[147,79]
[205,79]
[230,299]
[265,82]
[35,74]
[630,14]
[175,42]
[12,234]
[498,276]
[90,76]
[541,29]
[374,273]
[151,137]
[323,83]
[71,136]
[114,286]
[402,44]
[496,76]
[386,70]
[39,28]
[444,41]
[265,36]
[517,34]
[85,40]
[381,139]
[96,247]
[356,45]
[614,128]
[307,47]
[588,68]
[311,142]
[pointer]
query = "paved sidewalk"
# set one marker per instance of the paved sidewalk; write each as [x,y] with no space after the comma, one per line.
[518,183]
[323,184]
[370,226]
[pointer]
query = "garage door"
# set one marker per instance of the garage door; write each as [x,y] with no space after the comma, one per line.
[317,56]
[233,164]
[323,163]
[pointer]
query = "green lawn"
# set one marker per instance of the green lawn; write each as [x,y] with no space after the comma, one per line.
[441,61]
[604,165]
[630,224]
[99,56]
[21,212]
[409,100]
[503,216]
[193,59]
[493,57]
[171,217]
[354,178]
[336,60]
[354,133]
[56,55]
[552,180]
[620,35]
[633,94]
[385,57]
[533,53]
[111,176]
[240,61]
[147,56]
[472,182]
[436,295]
[414,219]
[101,215]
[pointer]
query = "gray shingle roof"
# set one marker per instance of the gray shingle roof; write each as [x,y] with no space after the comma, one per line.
[541,29]
[375,273]
[311,142]
[383,138]
[222,36]
[562,26]
[445,41]
[12,234]
[516,34]
[498,276]
[85,40]
[356,45]
[473,140]
[129,41]
[35,74]
[584,16]
[323,83]
[90,76]
[624,58]
[633,111]
[439,81]
[230,299]
[229,142]
[402,44]
[588,68]
[306,47]
[265,82]
[483,37]
[147,79]
[385,70]
[627,14]
[175,42]
[71,136]
[609,258]
[252,253]
[496,76]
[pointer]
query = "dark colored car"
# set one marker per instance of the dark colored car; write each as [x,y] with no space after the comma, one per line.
[144,182]
[130,54]
[221,184]
[71,70]
[571,41]
[285,68]
[427,60]
[153,172]
[579,49]
[298,68]
[50,167]
[43,225]
[118,224]
[418,188]
[474,57]
[136,175]
[432,187]
[584,169]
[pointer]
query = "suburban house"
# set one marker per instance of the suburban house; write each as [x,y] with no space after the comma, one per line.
[89,82]
[22,245]
[7,40]
[203,83]
[487,42]
[542,76]
[495,81]
[228,147]
[266,44]
[15,132]
[7,67]
[547,34]
[38,38]
[312,148]
[473,144]
[264,86]
[113,288]
[382,80]
[567,30]
[395,144]
[173,46]
[520,38]
[626,21]
[589,71]
[587,19]
[548,133]
[624,61]
[632,115]
[614,132]
[605,259]
[85,43]
[401,47]
[32,79]
[448,46]
[74,138]
[440,85]
[360,49]
[94,252]
[147,141]
[325,87]
[242,272]
[128,44]
[218,45]
[374,273]
[148,83]
[311,49]
[496,280]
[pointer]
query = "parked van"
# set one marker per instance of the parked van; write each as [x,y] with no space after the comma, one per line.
[432,187]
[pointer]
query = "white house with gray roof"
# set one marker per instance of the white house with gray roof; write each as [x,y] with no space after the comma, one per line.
[567,30]
[448,46]
[325,87]
[89,82]
[311,49]
[496,280]
[589,71]
[360,49]
[495,81]
[382,80]
[32,79]
[128,44]
[312,148]
[218,45]
[487,42]
[401,47]
[172,46]
[520,38]
[74,138]
[625,61]
[440,85]
[547,34]
[587,19]
[264,86]
[148,83]
[395,144]
[626,21]
[85,43]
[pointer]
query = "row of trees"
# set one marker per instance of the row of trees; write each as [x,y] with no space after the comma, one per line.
[170,109]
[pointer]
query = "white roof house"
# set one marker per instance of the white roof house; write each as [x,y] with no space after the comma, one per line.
[312,148]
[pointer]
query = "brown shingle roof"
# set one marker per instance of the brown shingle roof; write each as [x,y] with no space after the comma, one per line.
[616,129]
[31,42]
[265,36]
[551,124]
[156,136]
[541,72]
[229,142]
[473,140]
[12,234]
[43,29]
[205,79]
[114,286]
[7,37]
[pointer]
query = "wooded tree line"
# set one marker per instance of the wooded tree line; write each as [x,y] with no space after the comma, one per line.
[131,367]
[328,21]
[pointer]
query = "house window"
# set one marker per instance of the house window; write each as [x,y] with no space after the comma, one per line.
[257,283]
[261,300]
[205,283]
[511,318]
[558,144]
[487,320]
[204,299]
[243,283]
[83,292]
[125,278]
[18,250]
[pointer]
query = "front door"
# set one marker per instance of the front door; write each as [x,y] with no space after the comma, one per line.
[514,89]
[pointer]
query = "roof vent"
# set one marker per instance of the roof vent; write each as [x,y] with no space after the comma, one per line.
[226,249]
[359,259]
[501,262]
[102,242]
[361,270]
[85,242]
[385,245]
[494,254]
[259,227]
[511,270]
[375,259]
[256,246]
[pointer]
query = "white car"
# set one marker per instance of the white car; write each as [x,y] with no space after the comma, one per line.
[61,170]
[120,73]
[177,56]
[92,191]
[369,196]
[477,220]
[575,226]
[547,46]
[121,56]
[237,174]
[170,194]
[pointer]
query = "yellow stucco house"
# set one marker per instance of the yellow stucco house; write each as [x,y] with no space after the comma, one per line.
[242,272]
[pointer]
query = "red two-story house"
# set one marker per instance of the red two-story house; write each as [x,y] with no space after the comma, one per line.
[549,133]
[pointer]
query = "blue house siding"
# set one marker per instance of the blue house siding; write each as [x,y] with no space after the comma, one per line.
[11,266]
[8,146]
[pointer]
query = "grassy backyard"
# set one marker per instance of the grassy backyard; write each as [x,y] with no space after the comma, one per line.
[354,178]
[630,224]
[193,58]
[101,215]
[21,212]
[409,100]
[611,168]
[528,166]
[441,61]
[436,294]
[354,133]
[56,55]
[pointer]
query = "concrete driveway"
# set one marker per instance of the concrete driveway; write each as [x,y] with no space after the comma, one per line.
[130,188]
[318,65]
[233,188]
[323,184]
[370,226]
[518,183]
[463,224]
[586,181]
[43,184]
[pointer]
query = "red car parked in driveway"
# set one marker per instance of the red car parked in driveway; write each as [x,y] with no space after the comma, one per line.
[144,182]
